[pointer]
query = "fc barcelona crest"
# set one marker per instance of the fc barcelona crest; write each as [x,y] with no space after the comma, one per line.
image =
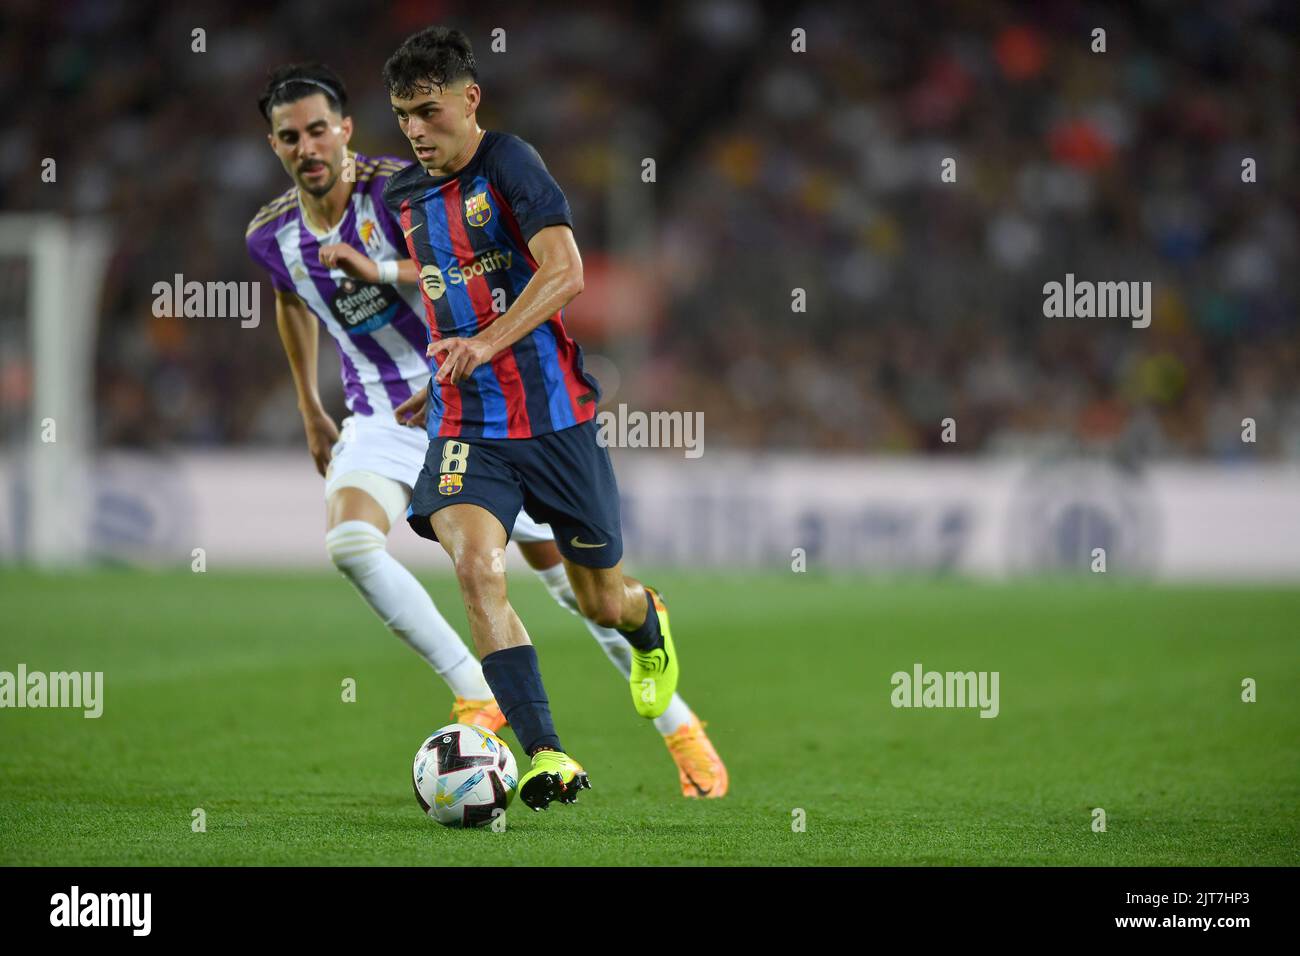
[449,484]
[477,210]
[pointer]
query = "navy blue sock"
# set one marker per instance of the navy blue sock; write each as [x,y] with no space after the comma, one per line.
[646,637]
[516,682]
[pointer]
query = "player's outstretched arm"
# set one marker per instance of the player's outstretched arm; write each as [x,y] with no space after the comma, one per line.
[340,255]
[556,283]
[300,335]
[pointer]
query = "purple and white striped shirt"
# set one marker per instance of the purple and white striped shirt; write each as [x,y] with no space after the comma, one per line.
[378,329]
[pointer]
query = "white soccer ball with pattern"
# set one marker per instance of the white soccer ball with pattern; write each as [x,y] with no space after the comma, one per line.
[464,775]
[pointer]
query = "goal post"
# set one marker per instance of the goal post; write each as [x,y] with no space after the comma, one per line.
[51,317]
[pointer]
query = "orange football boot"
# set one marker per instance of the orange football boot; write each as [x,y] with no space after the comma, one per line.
[702,772]
[481,713]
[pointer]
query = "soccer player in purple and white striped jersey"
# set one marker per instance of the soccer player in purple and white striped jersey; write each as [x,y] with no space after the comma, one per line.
[331,220]
[337,259]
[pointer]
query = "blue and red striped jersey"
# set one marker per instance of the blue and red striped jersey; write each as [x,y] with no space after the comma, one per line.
[469,234]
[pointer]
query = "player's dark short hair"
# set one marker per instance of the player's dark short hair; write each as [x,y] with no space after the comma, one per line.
[295,81]
[433,58]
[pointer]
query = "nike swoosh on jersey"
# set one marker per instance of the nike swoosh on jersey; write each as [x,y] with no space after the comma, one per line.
[412,229]
[581,544]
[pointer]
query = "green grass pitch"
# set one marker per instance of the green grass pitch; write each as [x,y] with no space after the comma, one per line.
[223,692]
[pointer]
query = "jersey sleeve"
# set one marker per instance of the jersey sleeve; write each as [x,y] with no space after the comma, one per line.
[532,194]
[393,192]
[263,250]
[387,214]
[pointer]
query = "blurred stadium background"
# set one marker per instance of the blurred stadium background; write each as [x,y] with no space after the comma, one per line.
[775,171]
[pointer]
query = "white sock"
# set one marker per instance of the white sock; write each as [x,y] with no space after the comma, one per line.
[614,645]
[357,549]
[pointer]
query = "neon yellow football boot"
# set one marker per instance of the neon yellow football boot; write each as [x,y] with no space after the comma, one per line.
[554,776]
[654,673]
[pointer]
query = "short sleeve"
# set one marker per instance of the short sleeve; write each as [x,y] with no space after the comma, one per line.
[392,195]
[263,250]
[387,215]
[533,195]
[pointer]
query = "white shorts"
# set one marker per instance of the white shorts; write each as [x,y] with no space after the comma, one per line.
[377,443]
[526,530]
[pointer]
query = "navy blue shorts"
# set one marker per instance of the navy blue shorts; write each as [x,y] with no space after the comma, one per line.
[563,478]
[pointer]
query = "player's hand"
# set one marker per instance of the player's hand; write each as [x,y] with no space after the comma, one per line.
[413,411]
[460,358]
[322,433]
[340,255]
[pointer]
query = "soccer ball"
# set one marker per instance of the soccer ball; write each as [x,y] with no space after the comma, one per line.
[463,774]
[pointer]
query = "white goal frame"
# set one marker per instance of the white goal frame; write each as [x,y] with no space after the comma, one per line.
[67,264]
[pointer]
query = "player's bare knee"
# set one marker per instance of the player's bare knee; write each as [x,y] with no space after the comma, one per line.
[478,571]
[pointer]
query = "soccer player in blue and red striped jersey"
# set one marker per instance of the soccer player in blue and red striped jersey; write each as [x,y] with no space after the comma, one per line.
[337,261]
[510,412]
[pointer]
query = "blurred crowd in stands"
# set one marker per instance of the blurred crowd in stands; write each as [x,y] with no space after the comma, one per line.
[799,269]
